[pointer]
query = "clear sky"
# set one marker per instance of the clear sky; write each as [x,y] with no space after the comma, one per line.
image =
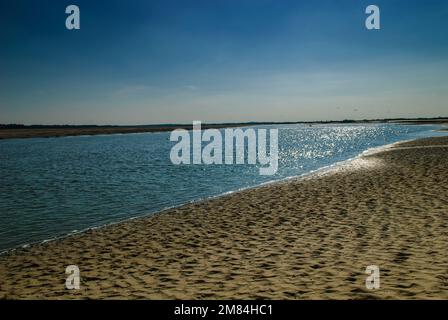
[165,61]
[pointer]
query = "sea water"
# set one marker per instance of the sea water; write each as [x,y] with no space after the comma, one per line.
[51,187]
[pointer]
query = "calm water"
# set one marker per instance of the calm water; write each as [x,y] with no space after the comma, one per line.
[51,187]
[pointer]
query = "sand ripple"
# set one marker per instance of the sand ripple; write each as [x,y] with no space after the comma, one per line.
[305,239]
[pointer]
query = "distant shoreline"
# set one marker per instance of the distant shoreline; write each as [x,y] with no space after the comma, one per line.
[67,131]
[13,131]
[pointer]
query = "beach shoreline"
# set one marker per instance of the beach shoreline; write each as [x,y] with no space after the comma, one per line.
[340,165]
[294,239]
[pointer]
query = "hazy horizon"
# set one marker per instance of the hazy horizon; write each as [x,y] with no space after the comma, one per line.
[160,62]
[219,123]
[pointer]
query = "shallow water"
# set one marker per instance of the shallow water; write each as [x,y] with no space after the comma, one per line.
[51,187]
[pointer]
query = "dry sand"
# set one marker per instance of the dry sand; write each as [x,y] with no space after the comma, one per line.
[303,239]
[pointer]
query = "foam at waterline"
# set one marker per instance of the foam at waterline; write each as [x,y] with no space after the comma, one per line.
[361,162]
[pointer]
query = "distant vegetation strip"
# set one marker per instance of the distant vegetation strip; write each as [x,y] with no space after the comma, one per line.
[12,131]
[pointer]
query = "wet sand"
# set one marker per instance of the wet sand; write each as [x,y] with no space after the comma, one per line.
[302,239]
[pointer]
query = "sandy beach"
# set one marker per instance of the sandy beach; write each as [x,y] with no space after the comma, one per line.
[302,239]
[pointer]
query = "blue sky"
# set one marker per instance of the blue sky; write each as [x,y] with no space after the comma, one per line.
[143,62]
